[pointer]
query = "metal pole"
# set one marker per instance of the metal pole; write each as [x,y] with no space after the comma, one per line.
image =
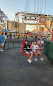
[34,5]
[40,6]
[52,31]
[45,6]
[37,6]
[34,15]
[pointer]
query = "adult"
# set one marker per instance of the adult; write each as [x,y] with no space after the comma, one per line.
[5,39]
[2,41]
[28,51]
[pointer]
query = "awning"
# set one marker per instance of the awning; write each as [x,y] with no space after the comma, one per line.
[4,30]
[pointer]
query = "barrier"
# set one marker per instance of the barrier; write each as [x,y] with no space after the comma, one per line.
[13,43]
[9,43]
[48,49]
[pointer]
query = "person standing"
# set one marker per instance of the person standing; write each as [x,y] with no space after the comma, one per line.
[2,41]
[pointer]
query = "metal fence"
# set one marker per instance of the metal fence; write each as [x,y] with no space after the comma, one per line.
[48,49]
[13,43]
[9,43]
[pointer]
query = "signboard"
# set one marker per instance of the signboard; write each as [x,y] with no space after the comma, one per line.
[42,19]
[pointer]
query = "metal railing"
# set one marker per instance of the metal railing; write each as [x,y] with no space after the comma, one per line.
[9,43]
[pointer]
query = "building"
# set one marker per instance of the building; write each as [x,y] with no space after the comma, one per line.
[3,20]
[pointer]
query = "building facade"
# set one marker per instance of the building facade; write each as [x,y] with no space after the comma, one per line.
[3,20]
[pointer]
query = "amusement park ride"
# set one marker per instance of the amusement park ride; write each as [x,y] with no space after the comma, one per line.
[42,23]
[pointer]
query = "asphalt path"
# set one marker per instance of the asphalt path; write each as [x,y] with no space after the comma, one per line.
[16,71]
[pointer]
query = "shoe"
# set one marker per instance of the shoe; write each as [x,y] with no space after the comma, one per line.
[35,59]
[41,59]
[29,61]
[1,50]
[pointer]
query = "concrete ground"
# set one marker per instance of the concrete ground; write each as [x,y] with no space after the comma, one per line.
[16,71]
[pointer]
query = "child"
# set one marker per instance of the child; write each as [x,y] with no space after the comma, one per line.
[28,51]
[35,48]
[38,42]
[42,42]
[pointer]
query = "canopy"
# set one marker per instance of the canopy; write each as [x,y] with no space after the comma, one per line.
[4,30]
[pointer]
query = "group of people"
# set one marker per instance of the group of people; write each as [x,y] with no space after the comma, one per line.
[33,49]
[29,50]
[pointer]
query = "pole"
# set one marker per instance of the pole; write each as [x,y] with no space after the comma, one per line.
[34,15]
[52,31]
[37,6]
[34,5]
[45,6]
[40,6]
[52,36]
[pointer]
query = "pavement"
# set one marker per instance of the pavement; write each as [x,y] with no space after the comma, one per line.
[16,71]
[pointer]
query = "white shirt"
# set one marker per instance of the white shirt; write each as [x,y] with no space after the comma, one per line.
[35,47]
[5,36]
[42,42]
[38,42]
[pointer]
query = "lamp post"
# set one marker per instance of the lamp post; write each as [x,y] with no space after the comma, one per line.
[52,30]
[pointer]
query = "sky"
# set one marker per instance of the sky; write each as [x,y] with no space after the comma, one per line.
[10,7]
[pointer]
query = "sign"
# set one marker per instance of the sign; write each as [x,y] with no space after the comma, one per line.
[42,19]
